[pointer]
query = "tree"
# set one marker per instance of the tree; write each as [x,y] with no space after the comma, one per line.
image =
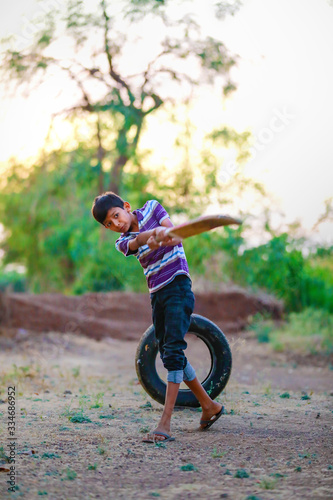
[51,232]
[181,58]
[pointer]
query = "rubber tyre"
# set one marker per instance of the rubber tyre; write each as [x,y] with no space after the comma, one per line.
[214,383]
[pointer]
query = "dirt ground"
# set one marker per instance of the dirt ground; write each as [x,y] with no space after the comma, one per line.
[264,447]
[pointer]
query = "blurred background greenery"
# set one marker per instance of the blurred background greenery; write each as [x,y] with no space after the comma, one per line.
[50,241]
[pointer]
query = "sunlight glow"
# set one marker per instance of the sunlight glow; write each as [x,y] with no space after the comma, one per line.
[285,77]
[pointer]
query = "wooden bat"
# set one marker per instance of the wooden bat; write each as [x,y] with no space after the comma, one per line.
[200,225]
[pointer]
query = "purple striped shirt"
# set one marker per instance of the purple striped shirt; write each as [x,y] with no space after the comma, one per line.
[159,266]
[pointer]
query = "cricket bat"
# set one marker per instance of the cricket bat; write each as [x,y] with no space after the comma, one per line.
[201,225]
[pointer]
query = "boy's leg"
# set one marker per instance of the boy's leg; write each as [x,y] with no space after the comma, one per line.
[164,423]
[209,407]
[171,304]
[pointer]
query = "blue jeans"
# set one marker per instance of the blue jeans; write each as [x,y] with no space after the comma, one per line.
[172,308]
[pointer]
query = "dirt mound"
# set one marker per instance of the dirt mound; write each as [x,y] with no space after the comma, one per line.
[122,315]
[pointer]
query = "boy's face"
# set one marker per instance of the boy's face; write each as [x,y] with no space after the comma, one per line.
[119,219]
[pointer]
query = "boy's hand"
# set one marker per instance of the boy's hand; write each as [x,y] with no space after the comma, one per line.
[159,238]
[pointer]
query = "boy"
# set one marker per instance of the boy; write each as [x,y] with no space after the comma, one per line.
[166,270]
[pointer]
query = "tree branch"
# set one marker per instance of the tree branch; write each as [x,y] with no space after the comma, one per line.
[94,73]
[113,73]
[158,102]
[100,155]
[89,106]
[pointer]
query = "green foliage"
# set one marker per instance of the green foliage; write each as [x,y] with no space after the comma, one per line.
[129,101]
[267,483]
[50,455]
[52,232]
[45,209]
[189,467]
[92,467]
[262,327]
[218,454]
[279,267]
[308,331]
[285,395]
[79,418]
[70,474]
[12,281]
[3,457]
[241,474]
[98,400]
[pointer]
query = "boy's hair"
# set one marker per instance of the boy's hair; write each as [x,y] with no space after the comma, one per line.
[103,203]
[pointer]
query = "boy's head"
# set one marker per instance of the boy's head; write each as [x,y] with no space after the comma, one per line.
[112,211]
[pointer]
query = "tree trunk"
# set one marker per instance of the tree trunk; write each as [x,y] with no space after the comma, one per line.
[116,173]
[100,158]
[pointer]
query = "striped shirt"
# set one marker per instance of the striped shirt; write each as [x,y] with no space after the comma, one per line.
[160,266]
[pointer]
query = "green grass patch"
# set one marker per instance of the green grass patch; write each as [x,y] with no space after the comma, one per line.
[50,455]
[144,429]
[267,483]
[92,467]
[76,371]
[218,454]
[262,328]
[98,400]
[242,474]
[79,418]
[70,474]
[3,457]
[285,395]
[307,332]
[189,467]
[146,405]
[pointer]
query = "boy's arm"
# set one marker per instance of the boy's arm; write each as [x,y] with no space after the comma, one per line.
[140,240]
[149,237]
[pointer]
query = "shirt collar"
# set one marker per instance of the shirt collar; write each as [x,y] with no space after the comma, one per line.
[138,213]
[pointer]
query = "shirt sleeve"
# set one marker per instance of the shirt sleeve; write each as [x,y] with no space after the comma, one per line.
[122,245]
[160,213]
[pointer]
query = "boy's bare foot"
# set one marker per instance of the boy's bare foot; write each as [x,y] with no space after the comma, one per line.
[211,411]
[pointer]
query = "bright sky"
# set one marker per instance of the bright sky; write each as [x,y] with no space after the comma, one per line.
[285,78]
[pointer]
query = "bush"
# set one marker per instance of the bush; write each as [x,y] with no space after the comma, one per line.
[279,267]
[262,327]
[12,281]
[309,331]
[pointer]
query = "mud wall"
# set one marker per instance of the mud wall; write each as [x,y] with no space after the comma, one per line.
[122,315]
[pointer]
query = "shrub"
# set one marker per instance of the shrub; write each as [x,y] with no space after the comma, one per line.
[310,331]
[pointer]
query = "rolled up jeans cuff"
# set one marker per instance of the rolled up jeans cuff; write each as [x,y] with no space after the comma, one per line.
[175,376]
[189,372]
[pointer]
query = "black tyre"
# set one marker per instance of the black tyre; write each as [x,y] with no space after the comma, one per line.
[217,378]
